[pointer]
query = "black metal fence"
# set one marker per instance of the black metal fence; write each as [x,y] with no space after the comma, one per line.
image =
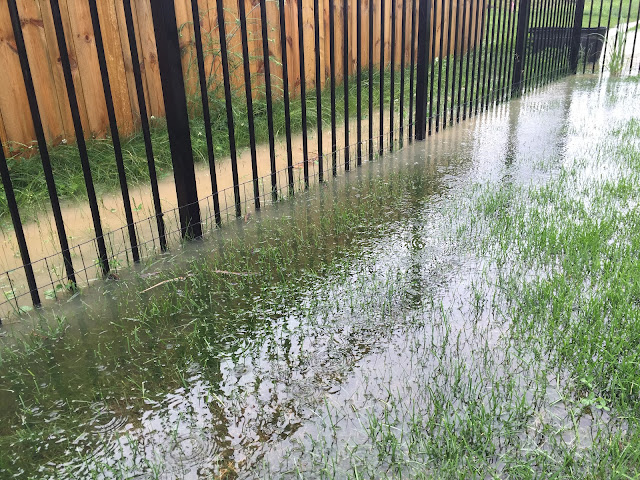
[468,57]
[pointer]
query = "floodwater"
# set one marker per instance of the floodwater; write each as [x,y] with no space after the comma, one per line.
[41,233]
[278,382]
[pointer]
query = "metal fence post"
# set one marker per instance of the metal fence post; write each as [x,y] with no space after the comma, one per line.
[577,31]
[175,104]
[422,61]
[521,45]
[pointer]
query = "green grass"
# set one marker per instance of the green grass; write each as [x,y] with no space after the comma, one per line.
[602,11]
[422,323]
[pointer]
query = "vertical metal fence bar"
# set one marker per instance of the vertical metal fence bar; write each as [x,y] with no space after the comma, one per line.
[473,34]
[332,63]
[544,18]
[17,228]
[564,38]
[392,80]
[550,42]
[506,72]
[403,27]
[303,96]
[464,57]
[440,62]
[82,147]
[615,40]
[113,127]
[498,54]
[456,59]
[606,38]
[626,33]
[635,37]
[512,56]
[412,69]
[575,37]
[42,142]
[285,93]
[486,75]
[556,15]
[481,57]
[521,36]
[422,64]
[206,114]
[249,100]
[381,120]
[359,82]
[345,63]
[144,124]
[316,27]
[559,44]
[588,46]
[534,64]
[266,58]
[501,50]
[593,66]
[229,107]
[434,21]
[569,37]
[177,116]
[561,39]
[370,91]
[449,58]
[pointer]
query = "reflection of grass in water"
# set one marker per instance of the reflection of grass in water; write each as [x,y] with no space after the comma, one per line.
[495,371]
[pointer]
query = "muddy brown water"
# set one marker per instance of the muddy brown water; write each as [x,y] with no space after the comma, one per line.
[41,233]
[260,409]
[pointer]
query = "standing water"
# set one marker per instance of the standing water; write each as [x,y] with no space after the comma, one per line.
[384,325]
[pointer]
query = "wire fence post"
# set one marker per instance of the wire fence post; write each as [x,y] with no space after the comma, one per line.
[424,13]
[175,104]
[577,31]
[521,45]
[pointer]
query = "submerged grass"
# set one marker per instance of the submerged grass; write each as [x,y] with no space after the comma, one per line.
[413,325]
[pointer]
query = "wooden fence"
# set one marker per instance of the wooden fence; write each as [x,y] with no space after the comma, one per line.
[16,129]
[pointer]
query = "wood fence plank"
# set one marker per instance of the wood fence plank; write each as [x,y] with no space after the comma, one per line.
[149,57]
[309,42]
[75,71]
[273,28]
[88,67]
[126,61]
[13,96]
[293,57]
[184,22]
[111,37]
[46,94]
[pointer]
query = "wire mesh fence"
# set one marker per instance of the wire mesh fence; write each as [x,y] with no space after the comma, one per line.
[238,105]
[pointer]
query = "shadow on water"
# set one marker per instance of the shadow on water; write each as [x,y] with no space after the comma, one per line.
[235,359]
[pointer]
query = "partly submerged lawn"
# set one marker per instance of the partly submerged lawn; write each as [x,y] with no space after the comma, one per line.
[428,321]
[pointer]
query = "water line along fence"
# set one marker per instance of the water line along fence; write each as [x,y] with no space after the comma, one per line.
[354,79]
